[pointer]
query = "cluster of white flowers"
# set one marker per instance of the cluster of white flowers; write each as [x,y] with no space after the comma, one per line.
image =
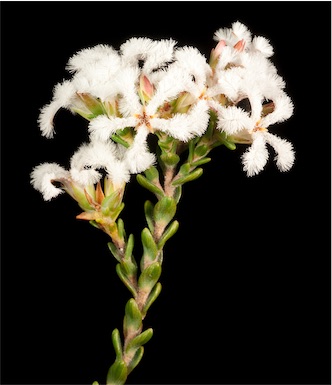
[151,86]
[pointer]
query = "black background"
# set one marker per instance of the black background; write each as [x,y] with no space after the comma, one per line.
[246,279]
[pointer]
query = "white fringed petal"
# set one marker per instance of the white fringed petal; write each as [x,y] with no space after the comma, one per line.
[255,157]
[42,177]
[285,155]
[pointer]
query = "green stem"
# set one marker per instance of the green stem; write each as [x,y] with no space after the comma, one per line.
[146,288]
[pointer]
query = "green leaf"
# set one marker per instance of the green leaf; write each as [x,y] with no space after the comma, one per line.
[117,373]
[121,229]
[116,212]
[223,139]
[114,251]
[128,268]
[150,250]
[94,224]
[136,359]
[170,159]
[152,174]
[133,317]
[148,209]
[140,340]
[168,233]
[124,278]
[177,194]
[184,169]
[152,297]
[117,344]
[164,210]
[149,277]
[230,145]
[118,139]
[144,182]
[129,247]
[202,150]
[200,162]
[188,178]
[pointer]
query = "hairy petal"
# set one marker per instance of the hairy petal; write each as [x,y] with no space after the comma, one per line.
[285,155]
[233,119]
[283,110]
[103,127]
[63,94]
[185,126]
[256,156]
[138,157]
[42,177]
[93,156]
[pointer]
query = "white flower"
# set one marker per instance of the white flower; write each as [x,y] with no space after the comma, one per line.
[233,35]
[91,157]
[242,73]
[153,54]
[151,87]
[42,177]
[256,156]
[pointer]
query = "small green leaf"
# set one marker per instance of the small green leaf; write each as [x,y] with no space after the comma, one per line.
[125,279]
[118,139]
[165,142]
[200,162]
[117,373]
[223,139]
[184,169]
[121,229]
[136,359]
[148,209]
[164,210]
[133,317]
[144,182]
[152,174]
[114,251]
[188,178]
[149,277]
[111,202]
[152,297]
[230,145]
[116,212]
[129,247]
[94,224]
[168,233]
[170,159]
[202,150]
[150,250]
[177,194]
[128,268]
[140,340]
[117,344]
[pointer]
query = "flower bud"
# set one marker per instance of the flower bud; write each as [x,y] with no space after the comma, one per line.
[215,53]
[145,89]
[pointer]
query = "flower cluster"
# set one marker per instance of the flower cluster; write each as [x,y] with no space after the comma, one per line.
[152,87]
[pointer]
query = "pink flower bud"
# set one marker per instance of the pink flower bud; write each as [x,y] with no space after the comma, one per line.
[239,46]
[145,89]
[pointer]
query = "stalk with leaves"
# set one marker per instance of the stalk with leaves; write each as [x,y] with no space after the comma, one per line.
[191,106]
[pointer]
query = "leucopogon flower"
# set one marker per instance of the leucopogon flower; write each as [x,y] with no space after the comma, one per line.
[152,87]
[139,87]
[242,71]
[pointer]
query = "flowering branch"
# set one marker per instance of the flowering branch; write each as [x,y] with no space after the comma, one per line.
[191,106]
